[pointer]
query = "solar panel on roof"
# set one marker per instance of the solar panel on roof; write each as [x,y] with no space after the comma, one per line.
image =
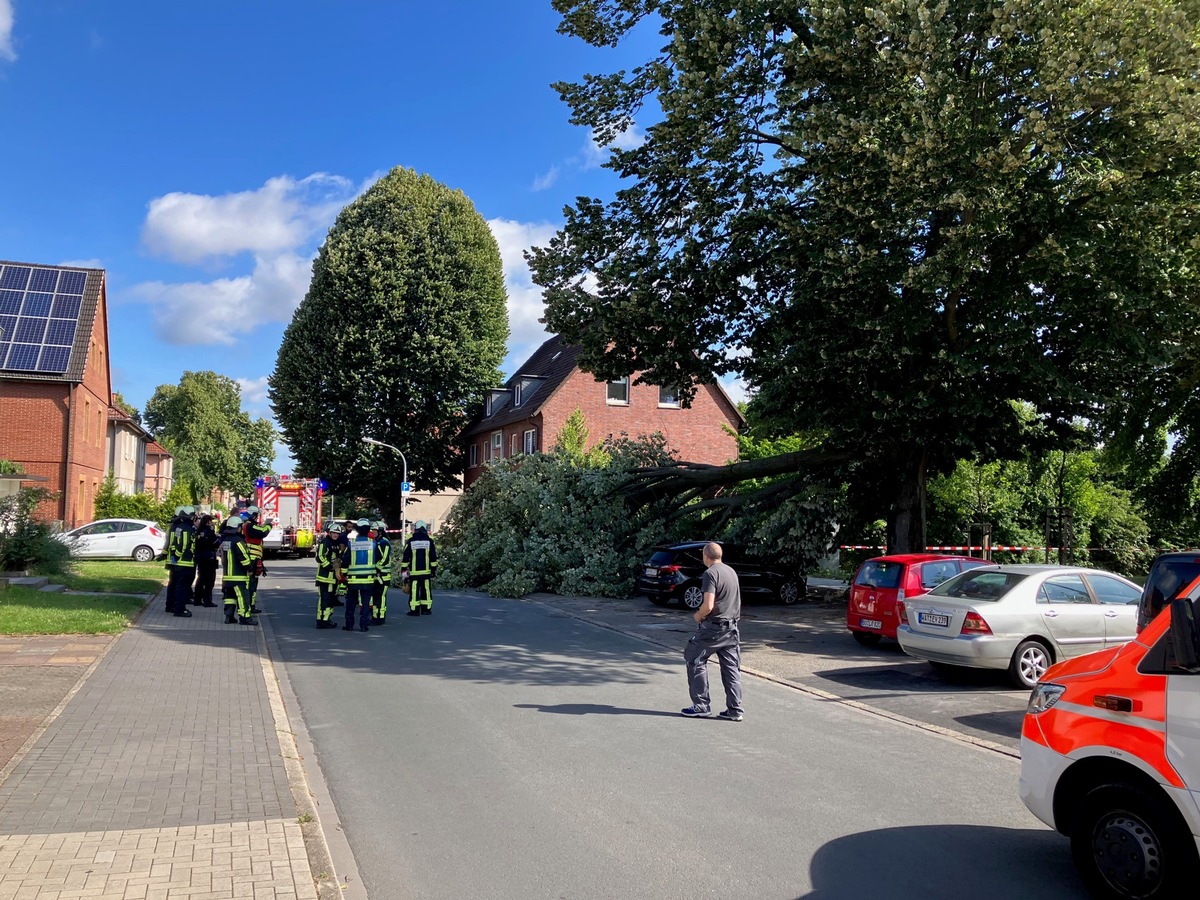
[44,280]
[30,331]
[65,307]
[10,302]
[37,304]
[54,359]
[8,327]
[15,277]
[23,356]
[72,283]
[61,332]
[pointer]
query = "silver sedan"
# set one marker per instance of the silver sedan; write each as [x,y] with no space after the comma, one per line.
[1019,618]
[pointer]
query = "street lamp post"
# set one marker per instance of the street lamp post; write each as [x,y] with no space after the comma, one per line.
[403,484]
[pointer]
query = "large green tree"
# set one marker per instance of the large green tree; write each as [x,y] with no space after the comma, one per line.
[894,218]
[215,443]
[401,332]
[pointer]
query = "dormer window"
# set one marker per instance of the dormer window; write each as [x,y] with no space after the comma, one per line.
[488,410]
[517,393]
[494,400]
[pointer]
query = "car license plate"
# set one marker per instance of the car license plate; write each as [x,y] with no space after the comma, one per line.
[650,573]
[870,623]
[933,619]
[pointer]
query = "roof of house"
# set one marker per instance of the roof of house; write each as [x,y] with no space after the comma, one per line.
[47,315]
[154,448]
[541,375]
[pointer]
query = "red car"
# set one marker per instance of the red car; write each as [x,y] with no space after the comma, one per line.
[880,582]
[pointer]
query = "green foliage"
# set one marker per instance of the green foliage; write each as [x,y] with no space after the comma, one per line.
[215,444]
[111,503]
[25,541]
[116,576]
[400,336]
[126,407]
[25,611]
[8,467]
[552,522]
[906,215]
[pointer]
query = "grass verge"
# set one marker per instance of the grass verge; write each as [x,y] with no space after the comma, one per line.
[28,611]
[115,576]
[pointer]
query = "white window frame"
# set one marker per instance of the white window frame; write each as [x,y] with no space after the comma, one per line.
[473,455]
[530,437]
[608,392]
[488,409]
[517,394]
[497,445]
[512,445]
[669,404]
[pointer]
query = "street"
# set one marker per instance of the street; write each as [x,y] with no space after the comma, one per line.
[505,748]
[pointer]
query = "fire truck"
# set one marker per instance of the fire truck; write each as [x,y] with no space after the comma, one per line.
[293,507]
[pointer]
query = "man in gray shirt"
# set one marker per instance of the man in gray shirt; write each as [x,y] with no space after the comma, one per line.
[717,632]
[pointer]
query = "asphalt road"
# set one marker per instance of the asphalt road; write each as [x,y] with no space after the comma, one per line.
[509,749]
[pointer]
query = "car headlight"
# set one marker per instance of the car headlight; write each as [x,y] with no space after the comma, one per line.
[1043,697]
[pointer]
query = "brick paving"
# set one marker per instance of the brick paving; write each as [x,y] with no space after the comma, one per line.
[162,776]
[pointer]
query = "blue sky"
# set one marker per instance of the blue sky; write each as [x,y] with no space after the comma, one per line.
[200,152]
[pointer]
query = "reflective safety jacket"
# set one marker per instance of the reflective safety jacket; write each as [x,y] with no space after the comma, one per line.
[332,557]
[420,555]
[235,556]
[383,562]
[361,568]
[182,551]
[254,534]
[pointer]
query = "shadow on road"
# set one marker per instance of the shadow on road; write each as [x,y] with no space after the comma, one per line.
[931,862]
[1006,723]
[891,679]
[588,709]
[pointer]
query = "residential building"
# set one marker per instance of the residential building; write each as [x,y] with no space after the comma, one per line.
[160,471]
[127,441]
[54,381]
[527,413]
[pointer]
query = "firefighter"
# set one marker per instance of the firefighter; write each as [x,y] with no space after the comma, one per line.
[182,554]
[254,534]
[332,558]
[207,544]
[419,565]
[235,579]
[383,572]
[360,577]
[169,565]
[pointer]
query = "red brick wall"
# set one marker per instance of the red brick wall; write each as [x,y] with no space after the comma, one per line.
[695,434]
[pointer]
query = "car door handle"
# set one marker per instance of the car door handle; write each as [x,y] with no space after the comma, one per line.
[1051,614]
[1111,613]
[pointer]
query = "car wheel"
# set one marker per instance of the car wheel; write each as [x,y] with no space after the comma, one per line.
[789,592]
[867,638]
[1128,842]
[143,553]
[693,597]
[1030,661]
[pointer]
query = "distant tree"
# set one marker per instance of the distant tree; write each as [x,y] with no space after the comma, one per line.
[126,407]
[899,217]
[215,443]
[401,333]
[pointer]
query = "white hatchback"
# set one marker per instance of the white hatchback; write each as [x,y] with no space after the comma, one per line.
[1020,618]
[116,539]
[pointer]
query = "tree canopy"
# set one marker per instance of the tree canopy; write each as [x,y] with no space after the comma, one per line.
[899,221]
[215,443]
[402,331]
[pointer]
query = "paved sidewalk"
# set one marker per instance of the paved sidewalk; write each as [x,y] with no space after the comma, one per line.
[163,776]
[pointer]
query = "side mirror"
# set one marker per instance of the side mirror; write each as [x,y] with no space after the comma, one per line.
[1185,638]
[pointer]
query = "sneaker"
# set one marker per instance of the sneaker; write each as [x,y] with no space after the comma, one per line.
[731,715]
[247,620]
[695,712]
[183,614]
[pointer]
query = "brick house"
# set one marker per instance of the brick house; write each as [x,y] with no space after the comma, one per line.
[54,381]
[526,415]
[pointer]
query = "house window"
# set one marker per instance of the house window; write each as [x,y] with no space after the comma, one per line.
[473,456]
[513,451]
[618,392]
[531,441]
[668,396]
[517,393]
[497,444]
[488,409]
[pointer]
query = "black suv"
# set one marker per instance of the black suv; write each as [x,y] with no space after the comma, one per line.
[673,574]
[1170,574]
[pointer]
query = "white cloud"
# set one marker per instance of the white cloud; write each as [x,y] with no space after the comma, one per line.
[81,263]
[282,215]
[6,29]
[735,388]
[525,303]
[595,154]
[545,181]
[254,392]
[218,312]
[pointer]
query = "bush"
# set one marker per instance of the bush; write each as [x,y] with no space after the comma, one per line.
[553,522]
[26,542]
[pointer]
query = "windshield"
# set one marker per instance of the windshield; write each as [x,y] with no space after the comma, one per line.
[879,574]
[662,558]
[1168,576]
[977,584]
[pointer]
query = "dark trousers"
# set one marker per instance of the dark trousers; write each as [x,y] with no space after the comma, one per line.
[206,577]
[358,596]
[179,588]
[325,605]
[236,595]
[420,591]
[721,638]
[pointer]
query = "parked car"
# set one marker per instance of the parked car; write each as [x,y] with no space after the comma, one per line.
[673,572]
[1169,574]
[1020,618]
[117,539]
[881,581]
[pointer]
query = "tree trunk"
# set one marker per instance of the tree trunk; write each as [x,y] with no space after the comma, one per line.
[906,518]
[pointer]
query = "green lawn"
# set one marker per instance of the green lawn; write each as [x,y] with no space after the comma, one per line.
[115,576]
[29,611]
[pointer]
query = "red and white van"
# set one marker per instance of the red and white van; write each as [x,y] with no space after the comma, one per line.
[1110,749]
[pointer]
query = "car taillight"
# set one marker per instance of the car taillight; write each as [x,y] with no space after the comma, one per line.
[974,624]
[901,612]
[900,595]
[668,570]
[154,531]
